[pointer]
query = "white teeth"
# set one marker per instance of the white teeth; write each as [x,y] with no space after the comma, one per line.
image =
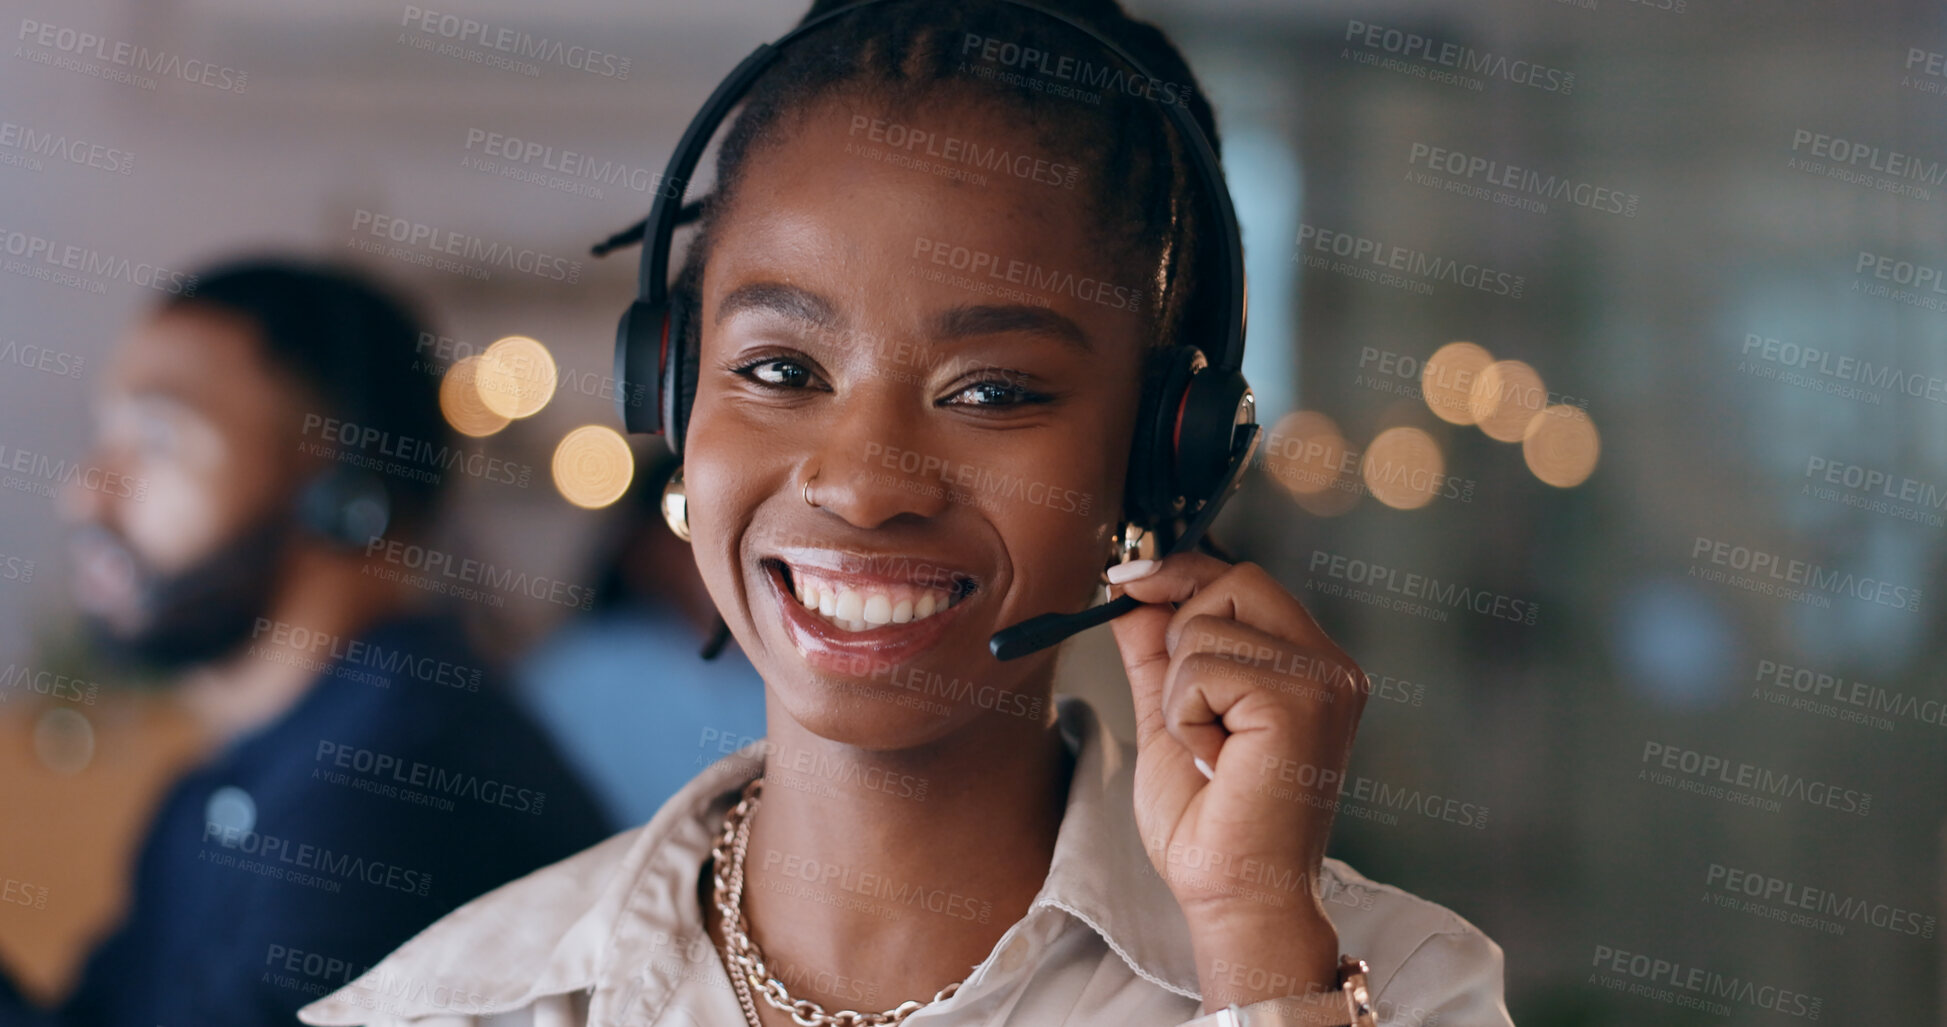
[855,609]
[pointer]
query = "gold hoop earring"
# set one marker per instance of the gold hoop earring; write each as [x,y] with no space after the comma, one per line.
[676,506]
[1127,544]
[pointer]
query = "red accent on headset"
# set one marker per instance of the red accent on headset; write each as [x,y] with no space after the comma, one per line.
[662,361]
[1176,435]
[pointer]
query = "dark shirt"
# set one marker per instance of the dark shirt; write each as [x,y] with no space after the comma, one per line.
[403,784]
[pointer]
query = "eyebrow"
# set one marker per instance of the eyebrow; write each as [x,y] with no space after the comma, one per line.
[963,322]
[779,298]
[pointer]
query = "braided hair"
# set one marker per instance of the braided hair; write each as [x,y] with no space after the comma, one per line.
[1136,177]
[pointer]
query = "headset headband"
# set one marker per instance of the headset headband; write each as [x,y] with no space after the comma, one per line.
[659,228]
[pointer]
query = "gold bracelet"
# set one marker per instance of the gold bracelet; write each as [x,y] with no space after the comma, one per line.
[1275,1013]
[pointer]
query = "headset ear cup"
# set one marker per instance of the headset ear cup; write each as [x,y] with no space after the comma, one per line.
[1154,497]
[679,374]
[1211,413]
[639,343]
[345,506]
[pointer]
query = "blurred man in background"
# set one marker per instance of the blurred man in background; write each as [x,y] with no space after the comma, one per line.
[372,775]
[627,690]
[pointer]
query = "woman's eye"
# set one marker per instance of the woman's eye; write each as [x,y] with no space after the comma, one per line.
[997,393]
[782,373]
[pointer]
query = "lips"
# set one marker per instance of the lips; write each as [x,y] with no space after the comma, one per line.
[840,607]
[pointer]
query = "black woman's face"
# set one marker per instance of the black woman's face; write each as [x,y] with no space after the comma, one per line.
[955,366]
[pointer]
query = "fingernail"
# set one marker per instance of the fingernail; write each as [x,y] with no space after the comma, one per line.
[1209,775]
[1131,571]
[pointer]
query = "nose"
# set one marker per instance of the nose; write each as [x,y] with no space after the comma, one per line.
[875,464]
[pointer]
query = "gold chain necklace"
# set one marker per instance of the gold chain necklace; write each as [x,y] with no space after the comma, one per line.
[741,955]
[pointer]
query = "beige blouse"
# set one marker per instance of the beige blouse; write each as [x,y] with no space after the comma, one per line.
[614,935]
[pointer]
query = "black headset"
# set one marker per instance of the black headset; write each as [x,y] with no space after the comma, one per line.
[1196,430]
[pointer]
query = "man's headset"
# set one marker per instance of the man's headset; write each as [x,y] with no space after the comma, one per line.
[1195,433]
[346,506]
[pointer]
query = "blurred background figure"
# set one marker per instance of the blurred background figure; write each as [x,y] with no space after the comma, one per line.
[626,690]
[267,461]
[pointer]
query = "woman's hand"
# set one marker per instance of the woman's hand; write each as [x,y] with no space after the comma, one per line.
[1239,675]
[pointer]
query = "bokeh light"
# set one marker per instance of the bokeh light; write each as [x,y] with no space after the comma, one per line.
[1506,395]
[1403,468]
[516,377]
[593,466]
[1561,445]
[1447,380]
[459,400]
[64,740]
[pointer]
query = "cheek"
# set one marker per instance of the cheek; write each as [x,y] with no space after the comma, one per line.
[727,474]
[181,517]
[199,495]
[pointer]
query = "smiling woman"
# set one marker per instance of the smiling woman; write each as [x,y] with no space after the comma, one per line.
[952,254]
